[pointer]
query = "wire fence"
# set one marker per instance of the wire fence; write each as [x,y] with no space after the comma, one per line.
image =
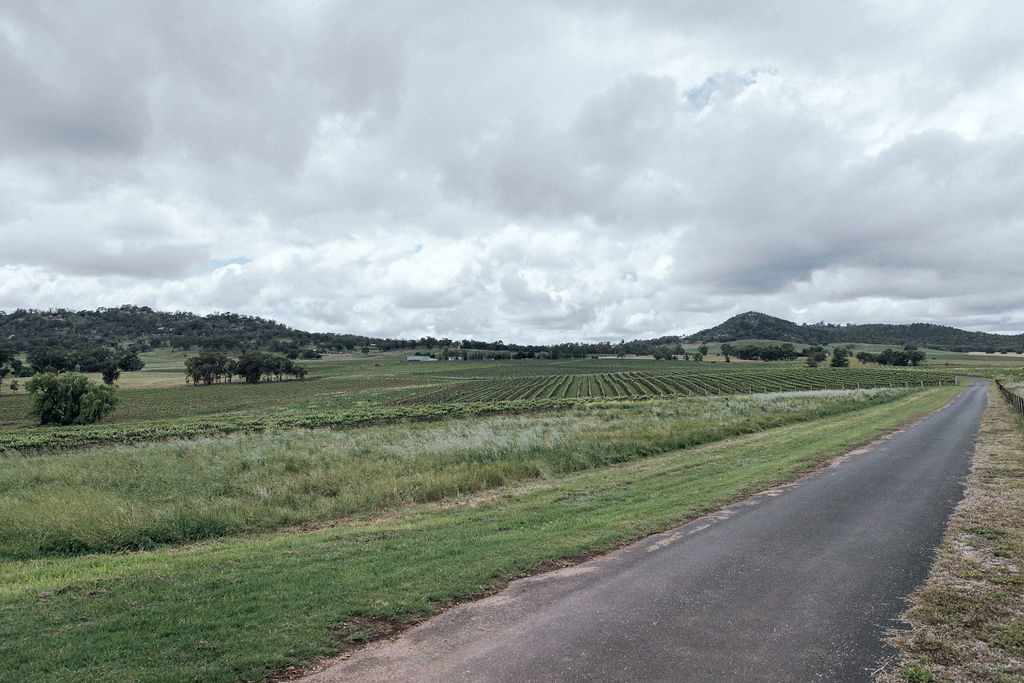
[1015,400]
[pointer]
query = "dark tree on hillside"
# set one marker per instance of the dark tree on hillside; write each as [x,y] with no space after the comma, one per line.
[50,360]
[130,362]
[110,374]
[93,359]
[231,369]
[19,369]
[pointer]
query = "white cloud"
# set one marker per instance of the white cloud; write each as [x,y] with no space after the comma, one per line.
[529,171]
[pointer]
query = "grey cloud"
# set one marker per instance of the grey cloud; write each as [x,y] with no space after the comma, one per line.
[534,170]
[126,258]
[62,91]
[727,84]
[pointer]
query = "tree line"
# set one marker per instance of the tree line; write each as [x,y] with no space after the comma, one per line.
[908,356]
[93,359]
[766,352]
[210,367]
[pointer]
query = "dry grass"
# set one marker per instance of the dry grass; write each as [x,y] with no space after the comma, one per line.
[141,496]
[966,623]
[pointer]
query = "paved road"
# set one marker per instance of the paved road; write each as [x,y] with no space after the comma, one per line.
[797,584]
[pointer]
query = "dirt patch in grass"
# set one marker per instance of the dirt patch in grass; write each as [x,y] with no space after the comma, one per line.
[350,634]
[966,623]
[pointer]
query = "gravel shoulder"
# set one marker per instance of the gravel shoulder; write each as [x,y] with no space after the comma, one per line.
[966,623]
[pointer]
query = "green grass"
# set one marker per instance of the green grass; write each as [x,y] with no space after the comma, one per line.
[244,607]
[133,497]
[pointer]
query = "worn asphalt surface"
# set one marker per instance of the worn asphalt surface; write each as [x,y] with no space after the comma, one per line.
[795,584]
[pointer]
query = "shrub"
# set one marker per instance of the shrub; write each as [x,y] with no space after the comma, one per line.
[916,674]
[69,398]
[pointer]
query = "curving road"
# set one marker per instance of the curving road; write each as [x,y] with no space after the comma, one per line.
[796,584]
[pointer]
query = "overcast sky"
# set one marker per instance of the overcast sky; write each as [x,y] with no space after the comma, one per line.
[531,171]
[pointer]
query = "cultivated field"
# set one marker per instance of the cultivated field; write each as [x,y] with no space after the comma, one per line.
[699,381]
[361,390]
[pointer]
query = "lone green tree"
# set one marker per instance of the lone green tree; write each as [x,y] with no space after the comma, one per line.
[69,398]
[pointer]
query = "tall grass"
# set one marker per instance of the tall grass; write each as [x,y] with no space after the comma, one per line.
[134,497]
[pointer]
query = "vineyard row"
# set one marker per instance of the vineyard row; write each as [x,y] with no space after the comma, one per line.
[647,384]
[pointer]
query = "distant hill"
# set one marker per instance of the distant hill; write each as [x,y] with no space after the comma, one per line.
[142,328]
[754,325]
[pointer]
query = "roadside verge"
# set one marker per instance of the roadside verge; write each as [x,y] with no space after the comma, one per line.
[966,623]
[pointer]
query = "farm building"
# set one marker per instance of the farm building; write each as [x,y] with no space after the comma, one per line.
[420,359]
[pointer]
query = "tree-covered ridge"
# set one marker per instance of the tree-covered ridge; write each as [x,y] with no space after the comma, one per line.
[78,334]
[754,325]
[69,339]
[142,328]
